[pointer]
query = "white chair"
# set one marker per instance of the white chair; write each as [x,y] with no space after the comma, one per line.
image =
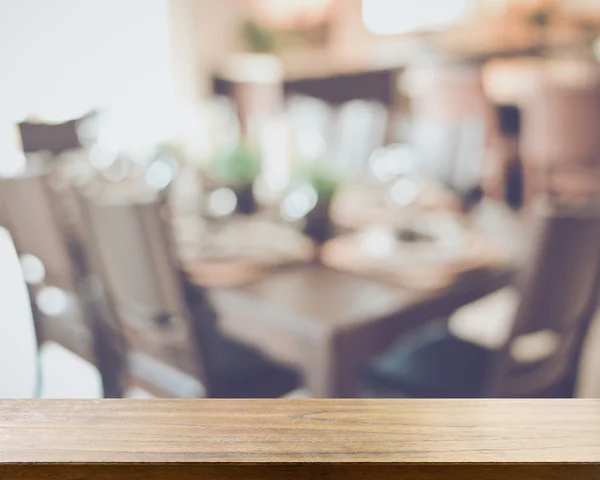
[65,309]
[19,368]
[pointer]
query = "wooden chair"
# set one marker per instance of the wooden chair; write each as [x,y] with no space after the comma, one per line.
[175,348]
[65,305]
[54,138]
[559,293]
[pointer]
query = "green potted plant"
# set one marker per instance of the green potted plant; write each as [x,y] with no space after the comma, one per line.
[325,183]
[238,168]
[258,38]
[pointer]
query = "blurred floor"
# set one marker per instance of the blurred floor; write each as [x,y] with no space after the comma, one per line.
[64,375]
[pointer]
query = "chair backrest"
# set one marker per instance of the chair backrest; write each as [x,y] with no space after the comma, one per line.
[54,138]
[361,128]
[559,290]
[560,143]
[312,122]
[452,120]
[561,117]
[33,218]
[449,152]
[132,254]
[450,92]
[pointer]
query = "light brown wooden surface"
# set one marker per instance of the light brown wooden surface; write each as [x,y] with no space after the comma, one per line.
[300,439]
[288,431]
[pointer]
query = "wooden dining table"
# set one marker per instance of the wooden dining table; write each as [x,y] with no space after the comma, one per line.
[327,323]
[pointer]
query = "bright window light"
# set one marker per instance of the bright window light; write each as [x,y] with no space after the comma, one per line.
[391,17]
[63,58]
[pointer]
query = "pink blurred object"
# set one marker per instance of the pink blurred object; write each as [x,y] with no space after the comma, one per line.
[562,116]
[560,143]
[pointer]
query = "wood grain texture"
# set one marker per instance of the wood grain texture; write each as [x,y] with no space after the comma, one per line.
[418,432]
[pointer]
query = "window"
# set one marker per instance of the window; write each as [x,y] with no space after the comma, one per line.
[390,17]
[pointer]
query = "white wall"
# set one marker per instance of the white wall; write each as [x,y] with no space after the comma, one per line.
[60,57]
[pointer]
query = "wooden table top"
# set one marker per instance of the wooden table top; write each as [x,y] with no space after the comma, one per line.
[342,299]
[327,294]
[288,431]
[328,323]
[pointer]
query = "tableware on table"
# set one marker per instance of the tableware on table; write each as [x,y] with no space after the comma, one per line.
[427,251]
[236,251]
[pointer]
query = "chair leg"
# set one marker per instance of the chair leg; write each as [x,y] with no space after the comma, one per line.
[110,360]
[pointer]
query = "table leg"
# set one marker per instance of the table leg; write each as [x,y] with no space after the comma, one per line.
[330,367]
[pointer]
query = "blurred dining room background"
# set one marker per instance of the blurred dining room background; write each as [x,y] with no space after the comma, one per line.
[302,198]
